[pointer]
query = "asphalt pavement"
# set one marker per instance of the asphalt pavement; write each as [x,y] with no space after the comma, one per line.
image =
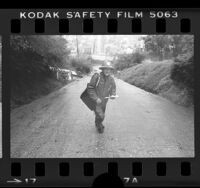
[137,124]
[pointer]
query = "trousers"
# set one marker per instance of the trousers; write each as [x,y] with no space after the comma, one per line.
[100,113]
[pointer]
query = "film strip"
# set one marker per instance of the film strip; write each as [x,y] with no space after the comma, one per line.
[20,166]
[110,27]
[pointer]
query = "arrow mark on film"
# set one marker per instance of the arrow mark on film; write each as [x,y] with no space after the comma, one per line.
[14,181]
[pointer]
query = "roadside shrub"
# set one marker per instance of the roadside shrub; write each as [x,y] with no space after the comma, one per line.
[82,65]
[128,60]
[182,72]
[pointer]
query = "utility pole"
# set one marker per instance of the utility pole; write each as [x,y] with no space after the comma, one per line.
[77,46]
[93,46]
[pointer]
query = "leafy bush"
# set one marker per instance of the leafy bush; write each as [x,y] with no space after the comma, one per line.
[168,46]
[128,60]
[82,65]
[182,72]
[30,59]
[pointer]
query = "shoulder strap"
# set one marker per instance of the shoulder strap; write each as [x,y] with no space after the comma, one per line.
[98,80]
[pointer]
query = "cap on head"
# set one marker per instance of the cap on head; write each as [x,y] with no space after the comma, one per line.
[106,65]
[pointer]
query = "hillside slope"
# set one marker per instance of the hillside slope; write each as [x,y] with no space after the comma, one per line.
[154,76]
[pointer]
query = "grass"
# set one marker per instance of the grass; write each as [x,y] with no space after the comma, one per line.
[154,76]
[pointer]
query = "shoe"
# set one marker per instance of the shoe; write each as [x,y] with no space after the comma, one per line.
[101,130]
[98,127]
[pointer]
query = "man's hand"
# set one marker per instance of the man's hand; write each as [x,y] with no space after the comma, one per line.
[112,97]
[98,101]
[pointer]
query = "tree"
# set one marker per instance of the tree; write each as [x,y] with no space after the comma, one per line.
[33,55]
[53,48]
[168,46]
[182,44]
[158,45]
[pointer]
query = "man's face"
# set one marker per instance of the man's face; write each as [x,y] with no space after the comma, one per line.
[107,72]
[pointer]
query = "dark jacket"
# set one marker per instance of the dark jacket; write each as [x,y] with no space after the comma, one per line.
[105,87]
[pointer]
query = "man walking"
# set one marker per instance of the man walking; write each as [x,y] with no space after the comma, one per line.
[101,87]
